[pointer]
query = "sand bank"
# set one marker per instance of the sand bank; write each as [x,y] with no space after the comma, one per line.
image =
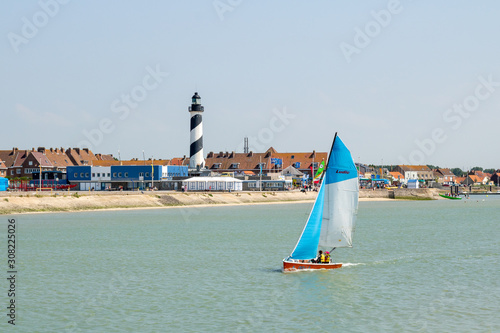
[27,202]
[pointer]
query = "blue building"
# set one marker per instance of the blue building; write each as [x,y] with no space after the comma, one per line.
[4,184]
[50,179]
[127,177]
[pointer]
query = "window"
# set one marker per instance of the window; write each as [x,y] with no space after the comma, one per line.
[141,174]
[147,174]
[98,174]
[126,174]
[93,174]
[235,165]
[76,174]
[30,163]
[87,174]
[296,165]
[292,157]
[18,171]
[81,175]
[216,165]
[315,164]
[119,174]
[114,174]
[109,174]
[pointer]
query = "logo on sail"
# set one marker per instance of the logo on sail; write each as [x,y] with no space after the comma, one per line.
[344,172]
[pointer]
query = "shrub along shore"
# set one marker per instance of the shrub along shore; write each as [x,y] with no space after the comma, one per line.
[64,201]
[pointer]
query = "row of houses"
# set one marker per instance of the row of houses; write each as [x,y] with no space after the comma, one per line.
[17,163]
[23,163]
[270,161]
[444,176]
[81,167]
[98,171]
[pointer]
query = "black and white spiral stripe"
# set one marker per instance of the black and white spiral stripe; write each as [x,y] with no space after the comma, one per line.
[196,148]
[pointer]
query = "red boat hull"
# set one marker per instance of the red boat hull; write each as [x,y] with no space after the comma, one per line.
[289,266]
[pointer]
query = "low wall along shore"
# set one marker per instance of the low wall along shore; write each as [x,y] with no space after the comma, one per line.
[63,201]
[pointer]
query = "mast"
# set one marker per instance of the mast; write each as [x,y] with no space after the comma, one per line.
[331,149]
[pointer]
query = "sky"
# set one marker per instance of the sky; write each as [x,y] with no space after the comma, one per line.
[413,82]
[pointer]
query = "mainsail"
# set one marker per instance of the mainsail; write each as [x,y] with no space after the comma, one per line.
[332,219]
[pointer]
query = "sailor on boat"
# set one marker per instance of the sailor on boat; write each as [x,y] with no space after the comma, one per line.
[319,258]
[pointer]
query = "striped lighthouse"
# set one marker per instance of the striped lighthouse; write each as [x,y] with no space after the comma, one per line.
[196,160]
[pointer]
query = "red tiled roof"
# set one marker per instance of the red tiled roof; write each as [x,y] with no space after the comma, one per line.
[396,175]
[57,157]
[130,162]
[20,157]
[9,156]
[179,161]
[242,161]
[445,172]
[414,167]
[41,159]
[104,157]
[476,179]
[79,156]
[480,174]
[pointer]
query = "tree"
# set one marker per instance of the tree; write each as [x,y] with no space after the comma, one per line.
[432,167]
[489,170]
[476,168]
[457,172]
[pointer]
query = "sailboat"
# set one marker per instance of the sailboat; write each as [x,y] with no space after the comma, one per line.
[331,222]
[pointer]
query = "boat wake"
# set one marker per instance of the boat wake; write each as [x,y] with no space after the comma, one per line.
[347,264]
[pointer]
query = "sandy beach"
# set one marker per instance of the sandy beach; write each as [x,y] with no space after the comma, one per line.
[30,202]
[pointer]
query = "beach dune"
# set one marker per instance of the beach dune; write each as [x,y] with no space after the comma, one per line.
[26,202]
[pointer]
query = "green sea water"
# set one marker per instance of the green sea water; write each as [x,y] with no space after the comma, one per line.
[425,266]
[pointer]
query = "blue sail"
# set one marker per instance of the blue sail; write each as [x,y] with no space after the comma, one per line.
[308,242]
[341,166]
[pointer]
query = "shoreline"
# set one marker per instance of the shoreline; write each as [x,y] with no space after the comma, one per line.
[70,202]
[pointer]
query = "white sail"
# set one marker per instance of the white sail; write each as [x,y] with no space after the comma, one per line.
[341,199]
[339,214]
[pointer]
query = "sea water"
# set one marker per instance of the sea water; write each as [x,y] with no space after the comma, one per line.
[416,266]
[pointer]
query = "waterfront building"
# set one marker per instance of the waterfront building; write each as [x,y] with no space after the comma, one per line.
[397,177]
[213,184]
[495,177]
[126,177]
[23,163]
[28,162]
[419,172]
[267,185]
[444,176]
[482,177]
[49,179]
[4,184]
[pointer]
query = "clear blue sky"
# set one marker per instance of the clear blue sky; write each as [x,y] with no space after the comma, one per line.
[384,74]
